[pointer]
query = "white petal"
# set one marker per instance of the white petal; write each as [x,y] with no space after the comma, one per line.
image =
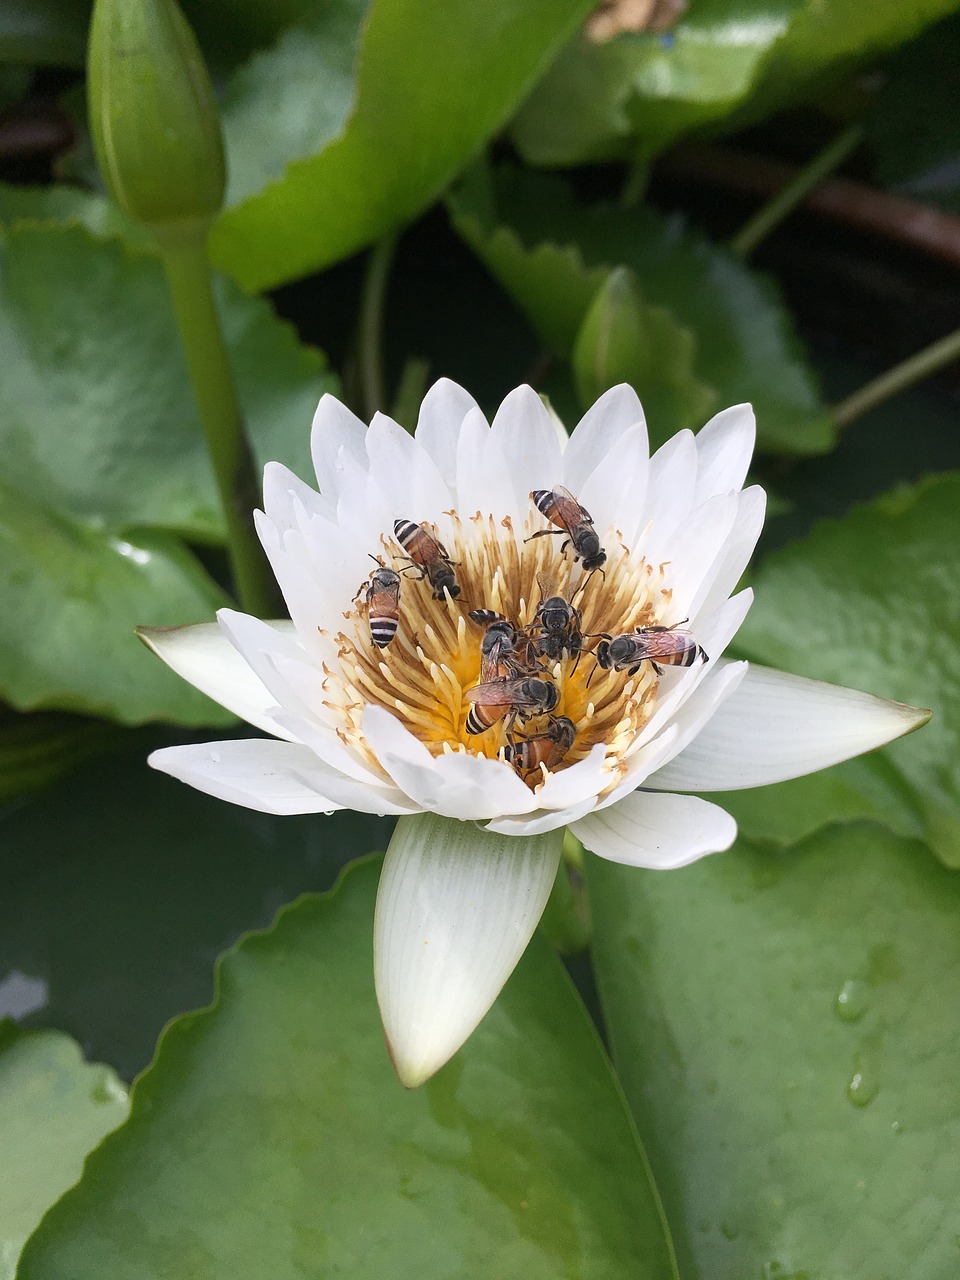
[258,773]
[483,480]
[204,655]
[405,474]
[442,412]
[724,449]
[776,726]
[695,549]
[729,565]
[458,786]
[541,821]
[293,568]
[616,491]
[455,910]
[658,831]
[257,643]
[578,782]
[280,490]
[527,438]
[670,487]
[598,433]
[336,433]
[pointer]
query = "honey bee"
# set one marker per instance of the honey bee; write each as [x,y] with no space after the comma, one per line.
[660,646]
[562,509]
[547,748]
[383,603]
[505,648]
[509,698]
[428,554]
[555,630]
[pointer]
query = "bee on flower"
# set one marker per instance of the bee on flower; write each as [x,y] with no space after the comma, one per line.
[613,752]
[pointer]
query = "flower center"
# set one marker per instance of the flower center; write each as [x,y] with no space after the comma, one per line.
[424,674]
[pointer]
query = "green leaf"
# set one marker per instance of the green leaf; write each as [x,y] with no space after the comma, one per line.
[44,31]
[121,886]
[914,126]
[412,129]
[870,601]
[54,1108]
[72,596]
[624,339]
[60,203]
[724,62]
[98,414]
[784,1028]
[270,1136]
[552,254]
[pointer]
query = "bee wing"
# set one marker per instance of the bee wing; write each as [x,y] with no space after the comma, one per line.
[492,693]
[570,508]
[661,644]
[384,601]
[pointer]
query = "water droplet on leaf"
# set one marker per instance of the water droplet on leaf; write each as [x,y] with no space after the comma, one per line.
[853,1000]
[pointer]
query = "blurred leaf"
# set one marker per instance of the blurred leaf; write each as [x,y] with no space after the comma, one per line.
[121,887]
[35,750]
[552,254]
[270,1136]
[98,417]
[14,82]
[725,61]
[412,129]
[784,1025]
[623,339]
[54,1108]
[293,100]
[72,594]
[60,203]
[44,32]
[871,600]
[914,127]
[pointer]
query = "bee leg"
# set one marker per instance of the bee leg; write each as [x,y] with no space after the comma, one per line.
[544,533]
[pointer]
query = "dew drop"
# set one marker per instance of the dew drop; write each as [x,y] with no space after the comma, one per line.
[862,1087]
[853,1000]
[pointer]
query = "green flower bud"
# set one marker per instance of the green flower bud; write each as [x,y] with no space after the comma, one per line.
[153,116]
[613,344]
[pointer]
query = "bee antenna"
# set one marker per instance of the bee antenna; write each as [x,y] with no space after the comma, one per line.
[593,672]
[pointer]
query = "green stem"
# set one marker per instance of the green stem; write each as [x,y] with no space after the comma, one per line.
[784,202]
[370,336]
[899,378]
[188,275]
[635,184]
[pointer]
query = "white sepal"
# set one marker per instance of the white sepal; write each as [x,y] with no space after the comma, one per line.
[776,726]
[646,829]
[456,907]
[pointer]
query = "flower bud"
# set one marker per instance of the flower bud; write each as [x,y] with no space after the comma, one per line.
[153,116]
[612,345]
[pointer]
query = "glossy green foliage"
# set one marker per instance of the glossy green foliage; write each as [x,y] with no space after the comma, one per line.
[782,1024]
[724,62]
[270,1135]
[871,601]
[54,1108]
[552,254]
[411,130]
[104,460]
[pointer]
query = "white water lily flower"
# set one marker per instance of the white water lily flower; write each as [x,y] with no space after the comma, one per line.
[382,730]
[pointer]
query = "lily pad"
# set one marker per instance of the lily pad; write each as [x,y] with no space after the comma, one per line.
[785,1027]
[551,254]
[270,1135]
[411,130]
[54,1108]
[870,600]
[723,63]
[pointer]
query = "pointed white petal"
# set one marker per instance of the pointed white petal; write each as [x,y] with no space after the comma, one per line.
[695,548]
[527,438]
[776,726]
[658,831]
[285,495]
[336,433]
[258,643]
[616,491]
[455,910]
[204,655]
[459,786]
[724,449]
[598,432]
[729,565]
[407,477]
[483,480]
[443,410]
[670,488]
[541,821]
[258,773]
